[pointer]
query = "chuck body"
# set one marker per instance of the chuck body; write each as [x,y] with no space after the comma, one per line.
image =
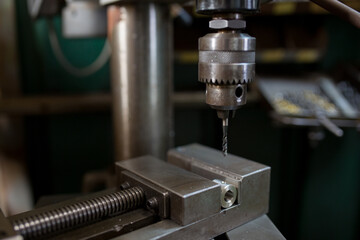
[226,66]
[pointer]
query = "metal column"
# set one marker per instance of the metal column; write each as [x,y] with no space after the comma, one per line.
[141,71]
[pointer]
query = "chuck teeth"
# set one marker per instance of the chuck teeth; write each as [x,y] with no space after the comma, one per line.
[225,82]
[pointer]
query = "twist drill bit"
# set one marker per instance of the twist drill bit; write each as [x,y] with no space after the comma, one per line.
[225,122]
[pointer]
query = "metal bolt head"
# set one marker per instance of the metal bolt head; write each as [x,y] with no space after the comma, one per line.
[125,185]
[224,23]
[152,204]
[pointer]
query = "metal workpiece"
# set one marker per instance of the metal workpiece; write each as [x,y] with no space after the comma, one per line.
[228,193]
[45,222]
[141,78]
[251,179]
[210,7]
[191,197]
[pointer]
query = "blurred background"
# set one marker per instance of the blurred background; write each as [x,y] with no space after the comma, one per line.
[56,125]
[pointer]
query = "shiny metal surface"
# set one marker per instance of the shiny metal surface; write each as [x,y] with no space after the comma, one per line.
[191,197]
[191,200]
[151,191]
[240,172]
[227,58]
[141,72]
[251,179]
[227,23]
[225,126]
[223,6]
[78,213]
[227,41]
[221,73]
[224,97]
[228,193]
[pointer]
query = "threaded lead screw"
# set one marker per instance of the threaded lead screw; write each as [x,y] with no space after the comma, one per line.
[79,213]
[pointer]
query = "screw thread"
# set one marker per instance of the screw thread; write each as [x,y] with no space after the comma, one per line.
[79,213]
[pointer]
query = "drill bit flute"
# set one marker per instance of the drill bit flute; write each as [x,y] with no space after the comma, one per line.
[224,115]
[225,129]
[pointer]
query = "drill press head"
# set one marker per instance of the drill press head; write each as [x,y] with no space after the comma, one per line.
[227,57]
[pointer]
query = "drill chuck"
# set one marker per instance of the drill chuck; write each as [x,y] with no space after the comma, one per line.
[226,58]
[226,65]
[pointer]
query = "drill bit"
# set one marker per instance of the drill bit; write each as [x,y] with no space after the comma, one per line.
[225,123]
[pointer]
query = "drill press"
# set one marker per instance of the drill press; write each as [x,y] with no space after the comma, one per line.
[226,57]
